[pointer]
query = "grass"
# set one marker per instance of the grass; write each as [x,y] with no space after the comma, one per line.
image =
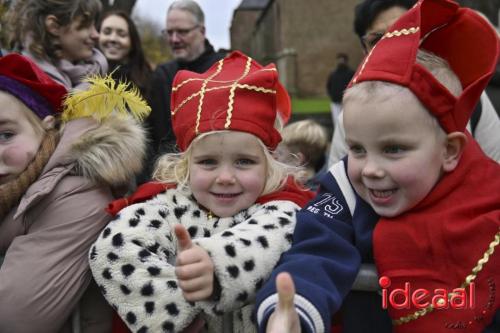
[310,105]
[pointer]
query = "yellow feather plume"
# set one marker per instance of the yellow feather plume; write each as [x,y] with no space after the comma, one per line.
[105,96]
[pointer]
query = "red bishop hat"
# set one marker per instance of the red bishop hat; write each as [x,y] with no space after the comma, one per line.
[459,35]
[236,94]
[22,78]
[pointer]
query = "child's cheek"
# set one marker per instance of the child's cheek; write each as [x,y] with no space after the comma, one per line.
[18,156]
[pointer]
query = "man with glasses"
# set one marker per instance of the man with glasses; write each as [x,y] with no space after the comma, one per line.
[371,20]
[191,50]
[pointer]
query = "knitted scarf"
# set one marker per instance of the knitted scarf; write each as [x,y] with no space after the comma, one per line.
[11,192]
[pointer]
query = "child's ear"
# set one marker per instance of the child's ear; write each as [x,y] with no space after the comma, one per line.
[52,26]
[49,122]
[454,146]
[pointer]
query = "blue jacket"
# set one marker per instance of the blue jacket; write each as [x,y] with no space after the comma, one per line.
[326,253]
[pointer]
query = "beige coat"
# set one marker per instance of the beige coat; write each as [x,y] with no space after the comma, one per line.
[45,275]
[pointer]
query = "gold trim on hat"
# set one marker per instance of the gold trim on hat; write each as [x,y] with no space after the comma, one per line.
[234,84]
[389,34]
[231,93]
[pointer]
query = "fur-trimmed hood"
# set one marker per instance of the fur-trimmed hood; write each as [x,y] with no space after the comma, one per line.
[109,152]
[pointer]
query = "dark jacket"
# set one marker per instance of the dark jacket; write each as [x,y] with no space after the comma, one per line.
[338,81]
[159,121]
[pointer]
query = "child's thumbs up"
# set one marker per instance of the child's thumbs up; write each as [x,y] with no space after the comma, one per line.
[183,238]
[193,267]
[285,317]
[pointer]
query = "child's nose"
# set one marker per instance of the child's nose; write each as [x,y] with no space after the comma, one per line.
[372,169]
[226,176]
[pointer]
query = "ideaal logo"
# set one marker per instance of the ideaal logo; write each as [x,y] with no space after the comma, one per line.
[458,298]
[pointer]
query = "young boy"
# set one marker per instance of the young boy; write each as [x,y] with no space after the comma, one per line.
[412,161]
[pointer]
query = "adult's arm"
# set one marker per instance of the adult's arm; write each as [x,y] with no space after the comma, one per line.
[46,271]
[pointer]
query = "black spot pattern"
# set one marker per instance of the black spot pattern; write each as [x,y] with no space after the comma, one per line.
[106,232]
[144,254]
[253,221]
[125,289]
[107,274]
[289,213]
[179,211]
[162,213]
[197,213]
[137,242]
[93,253]
[143,329]
[242,297]
[155,224]
[284,221]
[112,256]
[117,240]
[272,208]
[133,222]
[192,230]
[233,271]
[140,212]
[289,237]
[127,269]
[168,326]
[227,234]
[206,232]
[174,200]
[149,307]
[147,289]
[245,242]
[153,248]
[172,284]
[249,265]
[263,241]
[154,271]
[259,284]
[269,227]
[131,318]
[172,309]
[230,250]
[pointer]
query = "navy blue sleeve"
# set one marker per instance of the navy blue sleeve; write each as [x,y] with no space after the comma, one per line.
[323,261]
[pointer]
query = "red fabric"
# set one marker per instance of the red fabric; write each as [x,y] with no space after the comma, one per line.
[118,326]
[437,243]
[458,35]
[236,93]
[144,192]
[291,192]
[24,71]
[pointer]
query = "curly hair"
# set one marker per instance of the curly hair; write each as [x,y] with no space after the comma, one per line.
[27,21]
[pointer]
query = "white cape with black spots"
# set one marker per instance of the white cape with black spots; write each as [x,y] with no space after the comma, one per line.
[133,261]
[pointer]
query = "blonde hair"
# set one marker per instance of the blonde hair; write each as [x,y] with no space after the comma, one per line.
[368,91]
[309,138]
[174,167]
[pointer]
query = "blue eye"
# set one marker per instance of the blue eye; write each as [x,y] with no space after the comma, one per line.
[4,136]
[207,162]
[245,162]
[394,149]
[357,150]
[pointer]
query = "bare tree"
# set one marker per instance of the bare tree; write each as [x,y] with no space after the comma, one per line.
[125,5]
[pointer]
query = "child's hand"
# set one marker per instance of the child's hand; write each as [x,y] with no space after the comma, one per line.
[285,318]
[194,268]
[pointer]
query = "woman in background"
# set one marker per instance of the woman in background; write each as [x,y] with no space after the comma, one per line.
[121,44]
[60,37]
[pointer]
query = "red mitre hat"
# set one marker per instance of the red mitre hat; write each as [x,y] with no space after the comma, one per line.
[459,35]
[236,94]
[24,79]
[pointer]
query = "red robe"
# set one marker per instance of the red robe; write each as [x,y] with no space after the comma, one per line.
[437,244]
